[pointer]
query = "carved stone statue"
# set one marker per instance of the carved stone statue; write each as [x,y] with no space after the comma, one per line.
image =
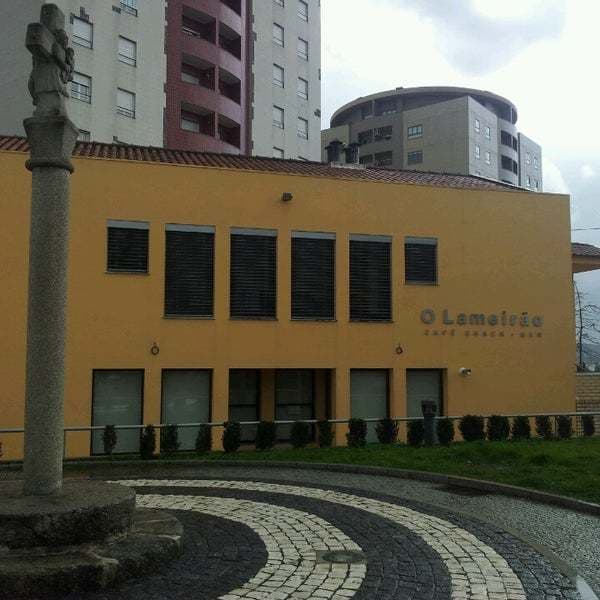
[53,63]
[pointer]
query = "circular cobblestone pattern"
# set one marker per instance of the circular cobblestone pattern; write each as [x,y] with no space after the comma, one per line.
[258,539]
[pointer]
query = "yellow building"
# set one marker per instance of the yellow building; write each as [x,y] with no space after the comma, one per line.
[212,287]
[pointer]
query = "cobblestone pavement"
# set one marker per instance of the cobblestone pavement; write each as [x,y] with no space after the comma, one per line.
[272,539]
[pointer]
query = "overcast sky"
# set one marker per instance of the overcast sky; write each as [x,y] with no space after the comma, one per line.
[541,54]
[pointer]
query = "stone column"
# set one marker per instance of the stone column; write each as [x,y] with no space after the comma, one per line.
[52,141]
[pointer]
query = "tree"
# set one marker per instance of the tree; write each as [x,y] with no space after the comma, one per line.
[587,328]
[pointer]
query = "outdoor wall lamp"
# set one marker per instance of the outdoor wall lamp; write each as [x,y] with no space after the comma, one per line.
[287,196]
[465,372]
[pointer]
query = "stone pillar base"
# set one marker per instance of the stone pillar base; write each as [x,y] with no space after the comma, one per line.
[52,140]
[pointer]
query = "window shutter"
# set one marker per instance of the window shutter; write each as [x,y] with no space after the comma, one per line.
[313,276]
[253,273]
[127,247]
[370,278]
[189,270]
[420,260]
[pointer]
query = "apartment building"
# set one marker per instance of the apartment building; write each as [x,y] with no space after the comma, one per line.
[286,76]
[443,129]
[117,92]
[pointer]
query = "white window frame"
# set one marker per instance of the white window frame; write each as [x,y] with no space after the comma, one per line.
[277,70]
[280,124]
[477,126]
[488,157]
[477,151]
[126,111]
[302,131]
[302,49]
[488,133]
[192,125]
[81,90]
[302,93]
[124,56]
[82,40]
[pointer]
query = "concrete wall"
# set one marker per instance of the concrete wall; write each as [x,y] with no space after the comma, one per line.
[529,152]
[265,136]
[493,257]
[478,166]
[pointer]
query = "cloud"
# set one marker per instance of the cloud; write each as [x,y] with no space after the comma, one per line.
[588,172]
[554,182]
[477,40]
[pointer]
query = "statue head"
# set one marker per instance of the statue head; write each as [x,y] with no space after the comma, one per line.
[52,17]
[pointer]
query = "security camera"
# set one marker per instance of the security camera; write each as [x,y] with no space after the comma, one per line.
[465,372]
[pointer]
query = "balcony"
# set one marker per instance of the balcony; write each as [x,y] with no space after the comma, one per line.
[229,131]
[230,86]
[197,71]
[234,5]
[199,25]
[230,41]
[196,119]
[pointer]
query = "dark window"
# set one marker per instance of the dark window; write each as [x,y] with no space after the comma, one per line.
[366,110]
[366,159]
[253,273]
[127,247]
[382,133]
[313,276]
[189,270]
[294,399]
[370,278]
[420,260]
[244,400]
[415,158]
[365,137]
[384,159]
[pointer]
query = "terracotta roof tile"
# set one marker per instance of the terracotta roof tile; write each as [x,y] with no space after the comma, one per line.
[579,249]
[273,165]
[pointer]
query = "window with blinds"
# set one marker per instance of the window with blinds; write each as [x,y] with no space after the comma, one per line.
[127,247]
[313,275]
[420,260]
[370,278]
[189,270]
[253,274]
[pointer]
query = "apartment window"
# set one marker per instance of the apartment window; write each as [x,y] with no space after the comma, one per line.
[129,7]
[365,137]
[278,35]
[302,128]
[244,400]
[302,50]
[313,275]
[535,162]
[415,131]
[528,158]
[84,136]
[278,153]
[278,76]
[506,139]
[384,159]
[278,117]
[488,133]
[189,270]
[420,260]
[83,32]
[302,88]
[370,278]
[366,159]
[415,157]
[303,10]
[190,122]
[279,2]
[477,126]
[253,273]
[81,87]
[488,158]
[382,133]
[127,51]
[477,152]
[127,247]
[126,103]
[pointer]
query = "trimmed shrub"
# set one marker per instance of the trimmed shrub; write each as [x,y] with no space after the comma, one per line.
[498,428]
[543,427]
[387,431]
[357,433]
[521,428]
[204,439]
[265,435]
[169,439]
[148,442]
[564,427]
[325,434]
[415,432]
[109,439]
[471,427]
[232,435]
[589,427]
[300,435]
[445,431]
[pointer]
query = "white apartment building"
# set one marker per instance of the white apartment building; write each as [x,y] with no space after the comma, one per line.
[117,93]
[286,79]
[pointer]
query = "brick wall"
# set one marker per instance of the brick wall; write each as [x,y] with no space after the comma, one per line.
[587,393]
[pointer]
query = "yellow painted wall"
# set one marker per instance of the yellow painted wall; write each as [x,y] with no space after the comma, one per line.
[497,251]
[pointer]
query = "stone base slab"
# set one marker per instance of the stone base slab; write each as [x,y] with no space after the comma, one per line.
[155,538]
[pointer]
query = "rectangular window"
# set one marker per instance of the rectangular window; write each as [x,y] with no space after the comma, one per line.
[84,136]
[302,88]
[253,273]
[387,106]
[83,33]
[129,7]
[278,76]
[366,159]
[506,139]
[382,133]
[313,275]
[420,260]
[528,158]
[278,117]
[278,35]
[244,399]
[186,399]
[294,398]
[415,131]
[369,397]
[279,2]
[117,398]
[127,247]
[127,51]
[303,10]
[488,158]
[370,278]
[528,181]
[302,128]
[415,157]
[365,137]
[477,125]
[477,152]
[384,159]
[488,133]
[190,122]
[302,50]
[126,103]
[278,153]
[189,270]
[81,87]
[535,162]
